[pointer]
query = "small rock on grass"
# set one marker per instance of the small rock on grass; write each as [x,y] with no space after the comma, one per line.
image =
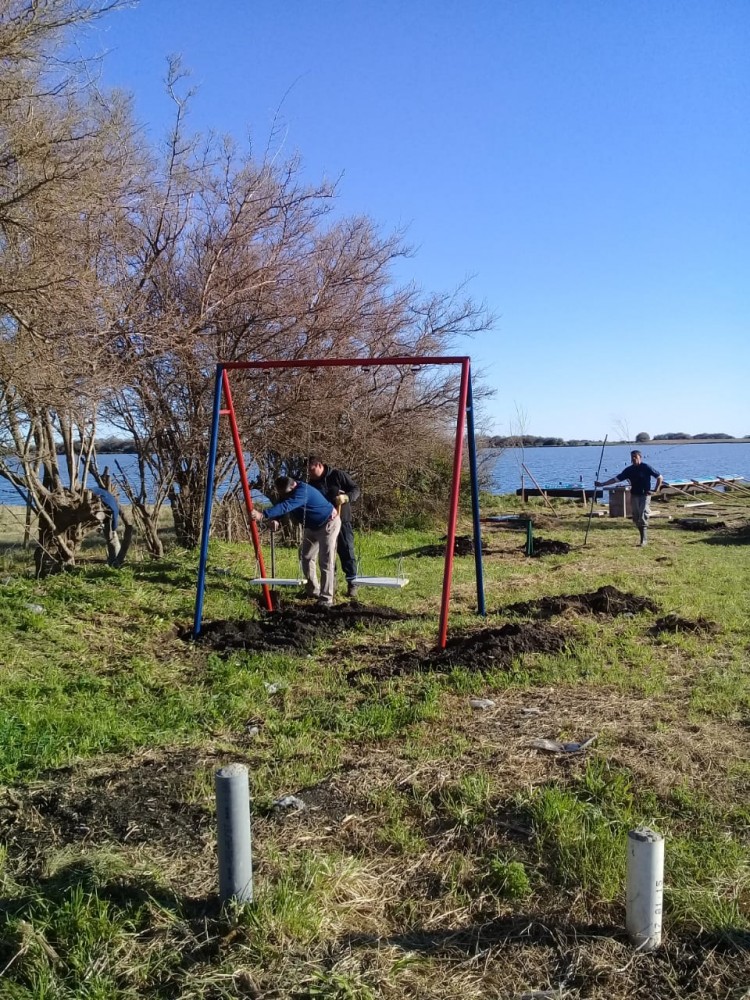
[481,704]
[290,802]
[556,746]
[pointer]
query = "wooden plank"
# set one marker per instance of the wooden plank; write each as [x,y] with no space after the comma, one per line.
[541,491]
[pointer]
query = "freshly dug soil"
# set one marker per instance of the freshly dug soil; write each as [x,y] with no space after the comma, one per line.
[550,547]
[673,623]
[463,546]
[296,628]
[698,524]
[146,799]
[604,601]
[483,650]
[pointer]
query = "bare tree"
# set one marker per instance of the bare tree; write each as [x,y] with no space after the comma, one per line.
[67,168]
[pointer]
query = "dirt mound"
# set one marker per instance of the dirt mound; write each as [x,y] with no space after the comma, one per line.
[291,628]
[604,601]
[462,546]
[483,650]
[698,524]
[550,547]
[673,623]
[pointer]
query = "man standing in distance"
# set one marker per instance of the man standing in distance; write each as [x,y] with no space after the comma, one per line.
[338,488]
[640,475]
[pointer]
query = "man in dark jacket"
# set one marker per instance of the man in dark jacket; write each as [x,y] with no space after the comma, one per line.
[640,475]
[320,521]
[339,488]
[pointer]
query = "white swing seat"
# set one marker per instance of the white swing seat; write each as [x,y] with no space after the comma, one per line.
[276,581]
[380,581]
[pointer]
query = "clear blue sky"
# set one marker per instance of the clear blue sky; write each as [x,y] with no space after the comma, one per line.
[586,163]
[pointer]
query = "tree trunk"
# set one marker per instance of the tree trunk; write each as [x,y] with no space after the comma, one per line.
[186,497]
[187,514]
[67,517]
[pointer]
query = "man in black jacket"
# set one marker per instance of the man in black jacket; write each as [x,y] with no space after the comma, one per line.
[338,488]
[640,475]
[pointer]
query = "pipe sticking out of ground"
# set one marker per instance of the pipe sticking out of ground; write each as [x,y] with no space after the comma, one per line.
[645,888]
[233,834]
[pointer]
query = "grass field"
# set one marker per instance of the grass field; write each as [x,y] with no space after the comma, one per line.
[439,854]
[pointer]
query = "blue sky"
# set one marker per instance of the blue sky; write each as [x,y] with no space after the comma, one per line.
[586,164]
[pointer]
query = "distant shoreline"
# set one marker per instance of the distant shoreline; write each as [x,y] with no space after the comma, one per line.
[640,445]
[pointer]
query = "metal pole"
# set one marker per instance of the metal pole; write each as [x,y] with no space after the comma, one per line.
[233,834]
[246,492]
[474,472]
[453,511]
[206,530]
[349,362]
[593,498]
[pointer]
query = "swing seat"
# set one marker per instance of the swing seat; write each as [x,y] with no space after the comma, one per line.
[276,581]
[380,581]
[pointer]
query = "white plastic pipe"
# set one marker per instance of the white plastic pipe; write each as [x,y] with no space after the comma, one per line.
[645,888]
[233,833]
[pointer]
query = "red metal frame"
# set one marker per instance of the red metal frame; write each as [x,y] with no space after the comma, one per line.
[246,492]
[463,361]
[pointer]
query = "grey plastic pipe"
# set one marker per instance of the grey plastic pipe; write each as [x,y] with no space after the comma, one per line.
[645,888]
[233,833]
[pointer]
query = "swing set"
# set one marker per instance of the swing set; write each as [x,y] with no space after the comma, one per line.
[464,422]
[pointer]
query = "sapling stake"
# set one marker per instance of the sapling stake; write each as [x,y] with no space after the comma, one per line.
[593,495]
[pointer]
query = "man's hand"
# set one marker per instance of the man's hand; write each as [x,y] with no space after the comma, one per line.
[275,525]
[341,498]
[256,515]
[334,514]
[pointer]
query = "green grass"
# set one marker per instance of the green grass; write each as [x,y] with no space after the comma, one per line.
[427,821]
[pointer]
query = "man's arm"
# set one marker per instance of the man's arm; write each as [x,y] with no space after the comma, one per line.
[349,486]
[285,507]
[278,510]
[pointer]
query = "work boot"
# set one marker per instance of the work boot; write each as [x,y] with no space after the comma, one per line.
[351,589]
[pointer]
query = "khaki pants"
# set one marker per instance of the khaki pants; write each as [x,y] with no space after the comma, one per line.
[320,544]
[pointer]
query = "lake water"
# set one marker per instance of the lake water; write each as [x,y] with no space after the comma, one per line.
[555,466]
[551,466]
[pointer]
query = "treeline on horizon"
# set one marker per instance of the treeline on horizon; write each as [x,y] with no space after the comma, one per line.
[123,446]
[537,441]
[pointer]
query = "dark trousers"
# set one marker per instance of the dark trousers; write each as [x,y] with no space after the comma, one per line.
[345,549]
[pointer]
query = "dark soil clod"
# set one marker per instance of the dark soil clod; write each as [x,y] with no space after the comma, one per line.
[673,623]
[698,524]
[550,547]
[297,628]
[604,601]
[487,649]
[462,546]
